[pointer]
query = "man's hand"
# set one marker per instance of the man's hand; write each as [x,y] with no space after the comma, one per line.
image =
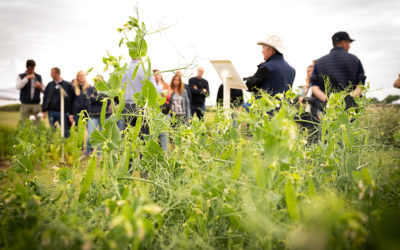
[195,87]
[318,93]
[204,90]
[30,76]
[71,119]
[38,86]
[356,92]
[44,114]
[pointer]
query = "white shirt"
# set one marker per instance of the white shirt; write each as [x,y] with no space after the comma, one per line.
[136,85]
[22,82]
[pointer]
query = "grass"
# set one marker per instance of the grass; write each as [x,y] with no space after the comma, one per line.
[9,119]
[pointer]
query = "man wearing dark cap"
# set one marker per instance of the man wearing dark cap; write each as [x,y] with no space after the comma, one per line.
[342,69]
[30,85]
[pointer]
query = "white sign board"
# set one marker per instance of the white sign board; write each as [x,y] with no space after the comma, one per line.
[230,78]
[226,70]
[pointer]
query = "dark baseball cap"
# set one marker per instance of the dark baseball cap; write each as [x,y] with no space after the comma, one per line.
[341,36]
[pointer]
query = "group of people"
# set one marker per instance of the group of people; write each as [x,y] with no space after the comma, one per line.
[341,69]
[181,99]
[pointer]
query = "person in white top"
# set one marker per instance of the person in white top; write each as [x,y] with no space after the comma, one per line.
[31,86]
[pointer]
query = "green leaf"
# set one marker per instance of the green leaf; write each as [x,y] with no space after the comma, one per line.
[133,22]
[120,42]
[103,112]
[97,138]
[121,105]
[124,164]
[81,129]
[89,70]
[87,180]
[65,175]
[238,164]
[138,125]
[259,172]
[150,92]
[291,202]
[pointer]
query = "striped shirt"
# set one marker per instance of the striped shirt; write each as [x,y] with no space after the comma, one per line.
[343,69]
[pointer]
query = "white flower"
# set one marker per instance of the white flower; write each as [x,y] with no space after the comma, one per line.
[40,115]
[32,117]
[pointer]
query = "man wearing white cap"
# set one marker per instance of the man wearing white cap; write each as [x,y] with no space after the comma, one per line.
[274,75]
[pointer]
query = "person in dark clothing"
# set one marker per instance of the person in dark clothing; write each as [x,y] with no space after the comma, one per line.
[274,75]
[343,70]
[30,85]
[94,110]
[80,100]
[52,100]
[200,90]
[236,99]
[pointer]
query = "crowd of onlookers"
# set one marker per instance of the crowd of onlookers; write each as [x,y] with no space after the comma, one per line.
[341,69]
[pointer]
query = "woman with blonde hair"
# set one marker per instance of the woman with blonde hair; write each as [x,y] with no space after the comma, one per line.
[80,100]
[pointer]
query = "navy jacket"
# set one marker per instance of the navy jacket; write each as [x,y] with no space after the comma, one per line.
[343,69]
[95,102]
[80,102]
[274,76]
[51,98]
[198,96]
[25,93]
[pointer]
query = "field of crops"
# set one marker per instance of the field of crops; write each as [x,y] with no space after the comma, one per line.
[249,180]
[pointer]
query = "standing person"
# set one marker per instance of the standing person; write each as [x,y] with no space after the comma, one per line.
[274,75]
[30,85]
[135,86]
[80,99]
[343,69]
[94,110]
[165,108]
[179,100]
[52,102]
[236,100]
[165,90]
[179,73]
[200,90]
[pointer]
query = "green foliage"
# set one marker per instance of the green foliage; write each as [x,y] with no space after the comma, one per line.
[254,182]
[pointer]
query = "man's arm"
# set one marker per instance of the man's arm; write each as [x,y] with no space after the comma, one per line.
[45,96]
[22,82]
[257,79]
[356,92]
[318,93]
[194,90]
[207,93]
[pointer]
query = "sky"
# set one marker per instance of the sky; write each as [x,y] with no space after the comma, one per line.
[75,34]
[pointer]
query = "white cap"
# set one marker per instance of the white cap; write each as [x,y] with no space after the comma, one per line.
[274,41]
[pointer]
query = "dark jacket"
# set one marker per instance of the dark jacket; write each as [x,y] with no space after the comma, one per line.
[79,102]
[236,97]
[274,76]
[51,98]
[343,69]
[198,96]
[95,102]
[25,93]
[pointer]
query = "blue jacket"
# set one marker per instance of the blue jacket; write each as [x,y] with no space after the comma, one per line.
[25,93]
[343,69]
[274,76]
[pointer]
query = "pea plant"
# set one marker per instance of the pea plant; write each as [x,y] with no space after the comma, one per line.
[251,180]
